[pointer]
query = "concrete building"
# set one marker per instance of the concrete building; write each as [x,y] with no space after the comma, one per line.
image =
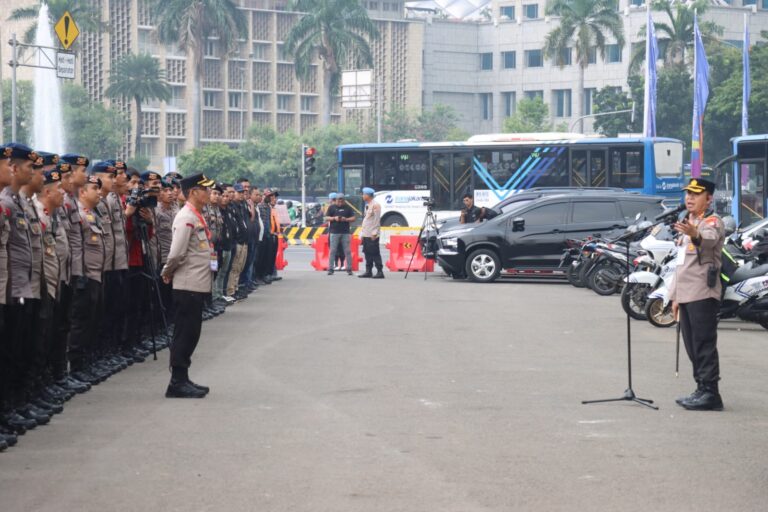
[255,85]
[483,68]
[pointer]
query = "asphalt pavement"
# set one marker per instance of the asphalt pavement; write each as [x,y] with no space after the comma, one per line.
[333,393]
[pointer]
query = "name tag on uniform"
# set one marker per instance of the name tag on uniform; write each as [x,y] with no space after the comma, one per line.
[214,264]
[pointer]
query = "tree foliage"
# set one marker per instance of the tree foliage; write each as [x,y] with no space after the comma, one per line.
[437,124]
[217,161]
[531,115]
[86,13]
[25,93]
[91,128]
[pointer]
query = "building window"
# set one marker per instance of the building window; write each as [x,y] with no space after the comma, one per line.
[612,53]
[565,57]
[509,103]
[531,11]
[145,149]
[259,102]
[282,55]
[209,48]
[283,102]
[209,99]
[592,55]
[765,4]
[173,149]
[177,97]
[307,104]
[236,100]
[749,2]
[486,61]
[533,59]
[507,11]
[260,51]
[510,59]
[562,101]
[532,95]
[486,101]
[589,98]
[373,5]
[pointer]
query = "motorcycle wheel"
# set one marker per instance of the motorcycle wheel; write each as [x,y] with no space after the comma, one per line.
[572,274]
[584,269]
[634,297]
[605,279]
[658,315]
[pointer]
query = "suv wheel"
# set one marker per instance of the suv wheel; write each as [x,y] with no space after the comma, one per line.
[483,266]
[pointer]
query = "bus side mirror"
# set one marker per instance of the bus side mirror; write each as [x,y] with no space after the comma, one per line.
[518,224]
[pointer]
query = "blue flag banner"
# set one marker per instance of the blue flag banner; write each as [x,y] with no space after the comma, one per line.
[651,56]
[746,87]
[700,96]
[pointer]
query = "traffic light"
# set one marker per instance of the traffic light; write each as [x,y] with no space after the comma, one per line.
[309,160]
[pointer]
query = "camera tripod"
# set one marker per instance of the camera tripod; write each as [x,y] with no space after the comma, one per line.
[149,272]
[429,222]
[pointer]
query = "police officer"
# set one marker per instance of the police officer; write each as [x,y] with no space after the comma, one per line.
[190,266]
[696,292]
[87,298]
[369,233]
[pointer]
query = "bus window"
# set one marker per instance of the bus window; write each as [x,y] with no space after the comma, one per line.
[626,167]
[393,170]
[668,158]
[500,165]
[579,169]
[551,171]
[752,180]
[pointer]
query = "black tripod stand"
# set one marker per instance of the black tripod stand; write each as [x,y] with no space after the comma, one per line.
[431,222]
[629,393]
[149,272]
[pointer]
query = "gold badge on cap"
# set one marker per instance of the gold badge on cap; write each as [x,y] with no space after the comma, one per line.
[7,152]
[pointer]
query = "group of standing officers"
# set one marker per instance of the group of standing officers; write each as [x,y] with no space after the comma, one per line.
[89,281]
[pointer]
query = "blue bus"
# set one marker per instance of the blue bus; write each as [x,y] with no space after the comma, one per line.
[492,167]
[741,180]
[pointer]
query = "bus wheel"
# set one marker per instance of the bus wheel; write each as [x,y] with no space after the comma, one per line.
[483,266]
[394,220]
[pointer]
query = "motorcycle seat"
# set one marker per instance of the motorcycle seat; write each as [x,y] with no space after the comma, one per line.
[744,273]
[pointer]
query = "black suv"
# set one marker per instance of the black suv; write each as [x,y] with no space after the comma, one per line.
[530,240]
[513,202]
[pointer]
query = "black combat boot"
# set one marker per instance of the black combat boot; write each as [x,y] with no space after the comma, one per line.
[181,387]
[708,400]
[696,394]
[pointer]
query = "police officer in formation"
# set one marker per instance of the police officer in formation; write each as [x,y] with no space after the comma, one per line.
[99,264]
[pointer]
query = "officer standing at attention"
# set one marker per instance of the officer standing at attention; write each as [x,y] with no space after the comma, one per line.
[190,266]
[370,234]
[696,292]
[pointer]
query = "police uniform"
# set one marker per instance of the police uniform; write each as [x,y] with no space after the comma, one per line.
[190,266]
[117,309]
[87,299]
[700,260]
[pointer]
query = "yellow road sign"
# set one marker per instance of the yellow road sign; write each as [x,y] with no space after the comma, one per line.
[66,30]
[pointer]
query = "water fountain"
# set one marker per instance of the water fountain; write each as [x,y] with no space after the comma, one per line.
[47,121]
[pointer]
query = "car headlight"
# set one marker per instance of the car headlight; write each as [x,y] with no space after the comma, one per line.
[450,242]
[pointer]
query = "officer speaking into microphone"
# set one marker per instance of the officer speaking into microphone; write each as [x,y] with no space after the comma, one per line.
[191,262]
[696,292]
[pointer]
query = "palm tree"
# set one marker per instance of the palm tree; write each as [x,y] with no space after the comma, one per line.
[584,24]
[140,78]
[675,37]
[189,23]
[84,12]
[337,31]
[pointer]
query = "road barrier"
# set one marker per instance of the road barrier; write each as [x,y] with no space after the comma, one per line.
[280,261]
[305,236]
[400,252]
[322,253]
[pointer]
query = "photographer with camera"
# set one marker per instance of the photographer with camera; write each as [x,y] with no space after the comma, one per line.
[696,292]
[340,216]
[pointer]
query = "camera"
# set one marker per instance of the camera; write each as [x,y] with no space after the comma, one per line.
[143,198]
[429,202]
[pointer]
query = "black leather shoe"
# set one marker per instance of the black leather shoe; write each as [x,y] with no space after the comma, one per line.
[10,437]
[17,423]
[349,272]
[48,407]
[706,401]
[86,377]
[365,275]
[76,385]
[204,389]
[696,394]
[33,413]
[330,272]
[177,389]
[379,275]
[3,443]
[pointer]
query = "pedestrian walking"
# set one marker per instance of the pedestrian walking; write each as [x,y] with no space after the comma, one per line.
[339,216]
